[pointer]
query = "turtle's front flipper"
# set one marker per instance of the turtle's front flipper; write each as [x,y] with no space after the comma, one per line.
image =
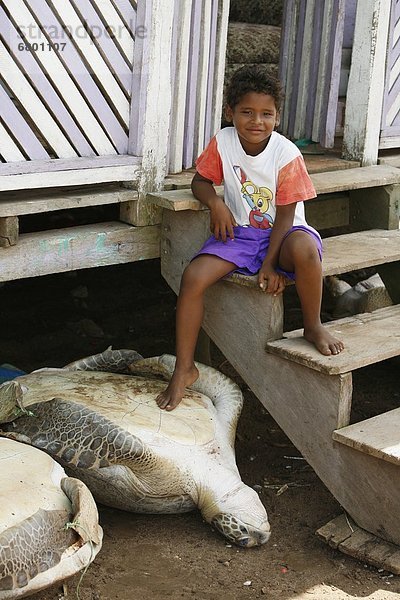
[11,400]
[112,361]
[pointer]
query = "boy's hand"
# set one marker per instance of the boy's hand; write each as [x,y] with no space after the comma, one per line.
[270,281]
[221,221]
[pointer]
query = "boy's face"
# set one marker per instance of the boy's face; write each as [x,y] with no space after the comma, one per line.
[254,117]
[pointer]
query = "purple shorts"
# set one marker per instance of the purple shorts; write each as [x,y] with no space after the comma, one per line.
[249,248]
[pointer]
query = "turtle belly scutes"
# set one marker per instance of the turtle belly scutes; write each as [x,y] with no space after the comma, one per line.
[119,469]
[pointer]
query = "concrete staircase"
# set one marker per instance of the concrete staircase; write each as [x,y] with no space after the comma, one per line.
[310,395]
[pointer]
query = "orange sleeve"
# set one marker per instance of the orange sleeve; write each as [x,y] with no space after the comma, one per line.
[294,183]
[209,163]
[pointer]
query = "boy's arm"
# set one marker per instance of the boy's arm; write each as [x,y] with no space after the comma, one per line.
[268,279]
[221,218]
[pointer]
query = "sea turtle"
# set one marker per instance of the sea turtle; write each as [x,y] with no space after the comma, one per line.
[49,526]
[107,429]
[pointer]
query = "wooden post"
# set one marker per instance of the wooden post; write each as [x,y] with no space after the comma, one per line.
[8,231]
[151,105]
[375,208]
[366,82]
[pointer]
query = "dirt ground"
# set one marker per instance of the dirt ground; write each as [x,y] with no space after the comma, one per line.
[52,320]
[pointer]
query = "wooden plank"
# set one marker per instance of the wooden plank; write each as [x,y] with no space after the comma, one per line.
[325,183]
[193,78]
[70,164]
[8,231]
[216,107]
[304,73]
[8,148]
[150,130]
[68,178]
[334,56]
[22,133]
[15,203]
[368,338]
[359,250]
[378,436]
[82,247]
[343,534]
[366,82]
[328,211]
[183,13]
[389,274]
[375,208]
[352,179]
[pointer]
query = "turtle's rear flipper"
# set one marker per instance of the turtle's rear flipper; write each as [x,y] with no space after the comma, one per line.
[85,515]
[111,361]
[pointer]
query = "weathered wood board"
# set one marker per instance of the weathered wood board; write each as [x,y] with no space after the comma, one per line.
[368,338]
[343,534]
[20,203]
[82,247]
[378,436]
[359,250]
[68,178]
[325,183]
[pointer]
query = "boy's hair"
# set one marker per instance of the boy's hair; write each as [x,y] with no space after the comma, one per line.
[254,78]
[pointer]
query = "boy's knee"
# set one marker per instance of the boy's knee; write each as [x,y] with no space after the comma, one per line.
[190,279]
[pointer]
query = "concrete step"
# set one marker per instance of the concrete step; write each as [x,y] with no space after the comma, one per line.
[368,338]
[378,436]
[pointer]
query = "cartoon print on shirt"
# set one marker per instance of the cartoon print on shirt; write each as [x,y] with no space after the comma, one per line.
[257,198]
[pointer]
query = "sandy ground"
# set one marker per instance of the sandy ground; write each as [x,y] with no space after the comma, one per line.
[52,320]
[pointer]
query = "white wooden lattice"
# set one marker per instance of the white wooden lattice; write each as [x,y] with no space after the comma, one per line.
[65,78]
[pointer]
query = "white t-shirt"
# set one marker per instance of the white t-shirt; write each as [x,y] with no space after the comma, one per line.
[255,185]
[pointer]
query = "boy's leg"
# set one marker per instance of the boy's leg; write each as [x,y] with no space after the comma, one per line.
[299,254]
[200,274]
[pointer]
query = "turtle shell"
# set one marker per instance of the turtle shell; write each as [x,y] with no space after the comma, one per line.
[40,542]
[129,402]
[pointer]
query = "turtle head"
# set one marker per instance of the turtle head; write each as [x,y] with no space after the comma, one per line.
[241,517]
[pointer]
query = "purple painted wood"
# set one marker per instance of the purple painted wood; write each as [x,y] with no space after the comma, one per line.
[285,64]
[127,12]
[44,88]
[294,92]
[111,54]
[191,99]
[331,92]
[392,89]
[210,108]
[314,67]
[140,78]
[21,131]
[176,31]
[76,67]
[349,23]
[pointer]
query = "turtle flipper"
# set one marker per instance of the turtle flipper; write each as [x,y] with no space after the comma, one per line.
[11,400]
[112,361]
[85,520]
[223,392]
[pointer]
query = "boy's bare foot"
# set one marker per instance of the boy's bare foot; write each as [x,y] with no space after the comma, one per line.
[170,398]
[323,340]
